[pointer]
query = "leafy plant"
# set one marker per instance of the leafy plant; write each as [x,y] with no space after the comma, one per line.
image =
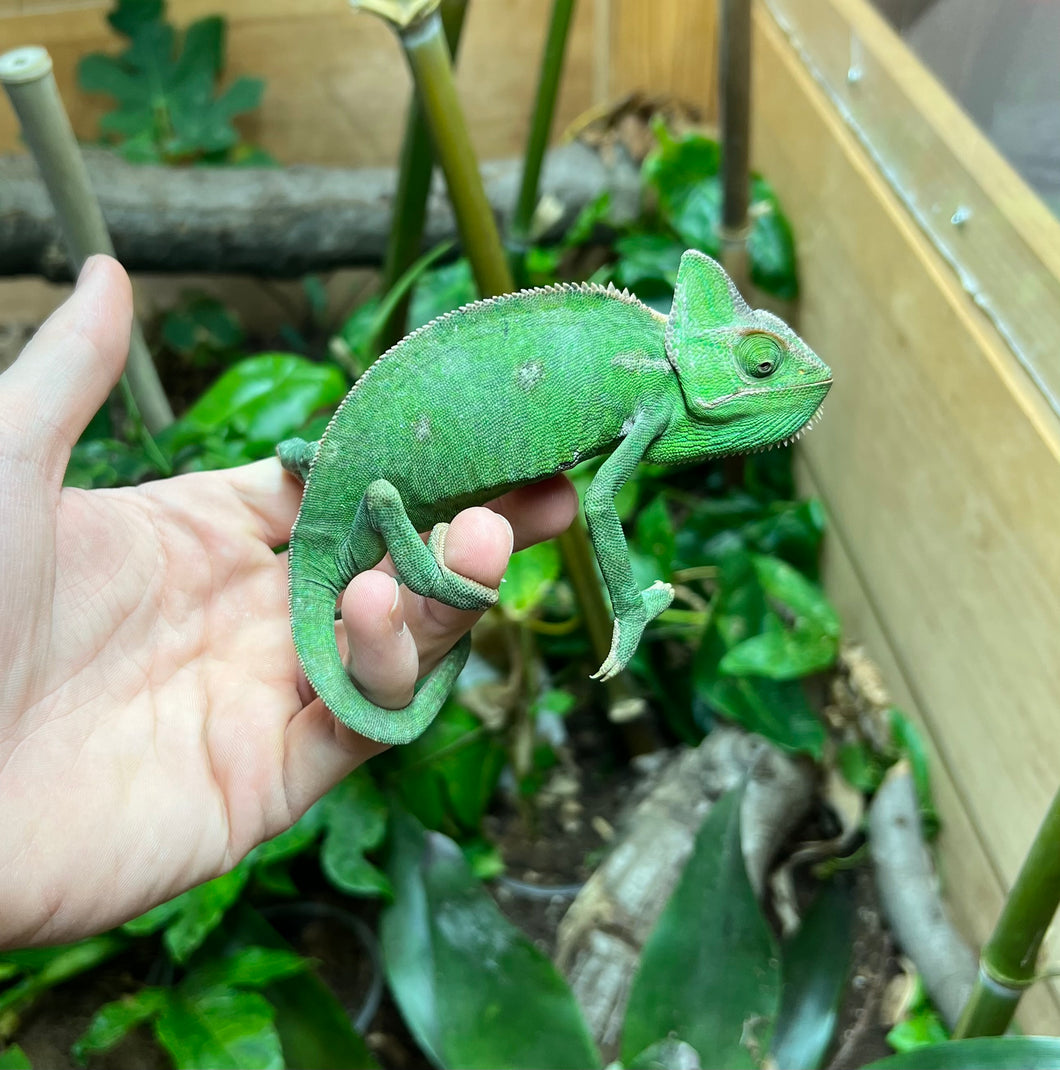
[168,108]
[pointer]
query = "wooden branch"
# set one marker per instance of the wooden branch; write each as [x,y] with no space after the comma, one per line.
[909,894]
[602,934]
[277,222]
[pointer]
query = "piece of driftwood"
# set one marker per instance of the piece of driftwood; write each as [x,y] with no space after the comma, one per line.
[278,222]
[603,932]
[910,897]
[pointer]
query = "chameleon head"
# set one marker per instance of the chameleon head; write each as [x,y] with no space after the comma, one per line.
[747,379]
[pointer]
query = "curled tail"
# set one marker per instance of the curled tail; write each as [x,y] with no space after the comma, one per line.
[313,627]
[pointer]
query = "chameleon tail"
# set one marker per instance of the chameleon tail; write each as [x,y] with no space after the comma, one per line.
[313,614]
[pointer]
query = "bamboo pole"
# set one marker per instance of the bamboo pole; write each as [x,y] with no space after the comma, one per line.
[541,122]
[26,74]
[1008,962]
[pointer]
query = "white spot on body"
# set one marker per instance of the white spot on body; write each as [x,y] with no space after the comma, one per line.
[627,426]
[640,362]
[529,374]
[421,428]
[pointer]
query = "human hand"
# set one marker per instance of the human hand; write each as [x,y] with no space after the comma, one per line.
[154,721]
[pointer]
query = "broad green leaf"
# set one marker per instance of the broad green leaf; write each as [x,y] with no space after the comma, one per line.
[805,599]
[781,655]
[14,1058]
[440,291]
[314,1027]
[249,967]
[127,16]
[474,991]
[267,397]
[677,164]
[647,263]
[355,813]
[447,777]
[709,972]
[113,1021]
[984,1053]
[528,578]
[190,917]
[221,1028]
[816,961]
[654,534]
[921,1029]
[771,244]
[203,48]
[776,709]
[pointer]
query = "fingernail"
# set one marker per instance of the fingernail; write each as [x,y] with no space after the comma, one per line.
[396,616]
[89,267]
[511,534]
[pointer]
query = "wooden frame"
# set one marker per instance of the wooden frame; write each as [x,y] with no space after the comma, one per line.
[939,457]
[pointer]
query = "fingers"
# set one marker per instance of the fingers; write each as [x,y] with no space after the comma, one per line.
[270,495]
[72,363]
[540,511]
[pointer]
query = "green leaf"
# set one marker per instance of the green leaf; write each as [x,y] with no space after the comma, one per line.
[771,244]
[776,709]
[474,991]
[678,164]
[985,1053]
[203,49]
[266,398]
[654,534]
[222,1028]
[113,1021]
[440,291]
[128,16]
[860,767]
[314,1028]
[249,967]
[447,777]
[190,917]
[709,972]
[921,1029]
[804,599]
[14,1058]
[816,962]
[647,263]
[355,814]
[528,578]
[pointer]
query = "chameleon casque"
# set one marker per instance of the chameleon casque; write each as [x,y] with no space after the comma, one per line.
[508,391]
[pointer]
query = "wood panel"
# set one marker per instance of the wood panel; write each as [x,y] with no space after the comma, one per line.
[939,463]
[668,46]
[336,82]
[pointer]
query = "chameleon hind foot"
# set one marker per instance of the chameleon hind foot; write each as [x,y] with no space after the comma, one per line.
[420,567]
[629,627]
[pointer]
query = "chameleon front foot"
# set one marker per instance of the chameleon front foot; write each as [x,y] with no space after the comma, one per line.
[629,627]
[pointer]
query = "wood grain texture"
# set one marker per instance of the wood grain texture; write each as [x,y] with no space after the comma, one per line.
[972,886]
[940,464]
[667,46]
[336,82]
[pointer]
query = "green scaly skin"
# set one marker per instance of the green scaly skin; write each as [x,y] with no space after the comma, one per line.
[507,392]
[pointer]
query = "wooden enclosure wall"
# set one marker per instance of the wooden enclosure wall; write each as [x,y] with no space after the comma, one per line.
[336,83]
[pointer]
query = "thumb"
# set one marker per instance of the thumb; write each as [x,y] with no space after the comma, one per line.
[70,365]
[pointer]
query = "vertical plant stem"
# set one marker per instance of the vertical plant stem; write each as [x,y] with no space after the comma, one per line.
[1009,958]
[734,74]
[428,56]
[413,188]
[541,122]
[26,74]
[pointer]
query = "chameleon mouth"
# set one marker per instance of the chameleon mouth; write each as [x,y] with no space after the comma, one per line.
[806,428]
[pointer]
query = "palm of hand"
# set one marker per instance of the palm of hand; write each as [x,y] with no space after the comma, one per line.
[162,688]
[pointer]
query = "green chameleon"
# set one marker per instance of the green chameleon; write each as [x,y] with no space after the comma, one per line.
[506,392]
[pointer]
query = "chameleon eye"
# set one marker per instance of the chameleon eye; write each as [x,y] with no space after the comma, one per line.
[759,355]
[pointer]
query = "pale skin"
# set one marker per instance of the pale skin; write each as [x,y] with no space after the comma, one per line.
[154,722]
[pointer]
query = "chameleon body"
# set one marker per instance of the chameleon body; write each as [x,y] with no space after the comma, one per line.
[507,392]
